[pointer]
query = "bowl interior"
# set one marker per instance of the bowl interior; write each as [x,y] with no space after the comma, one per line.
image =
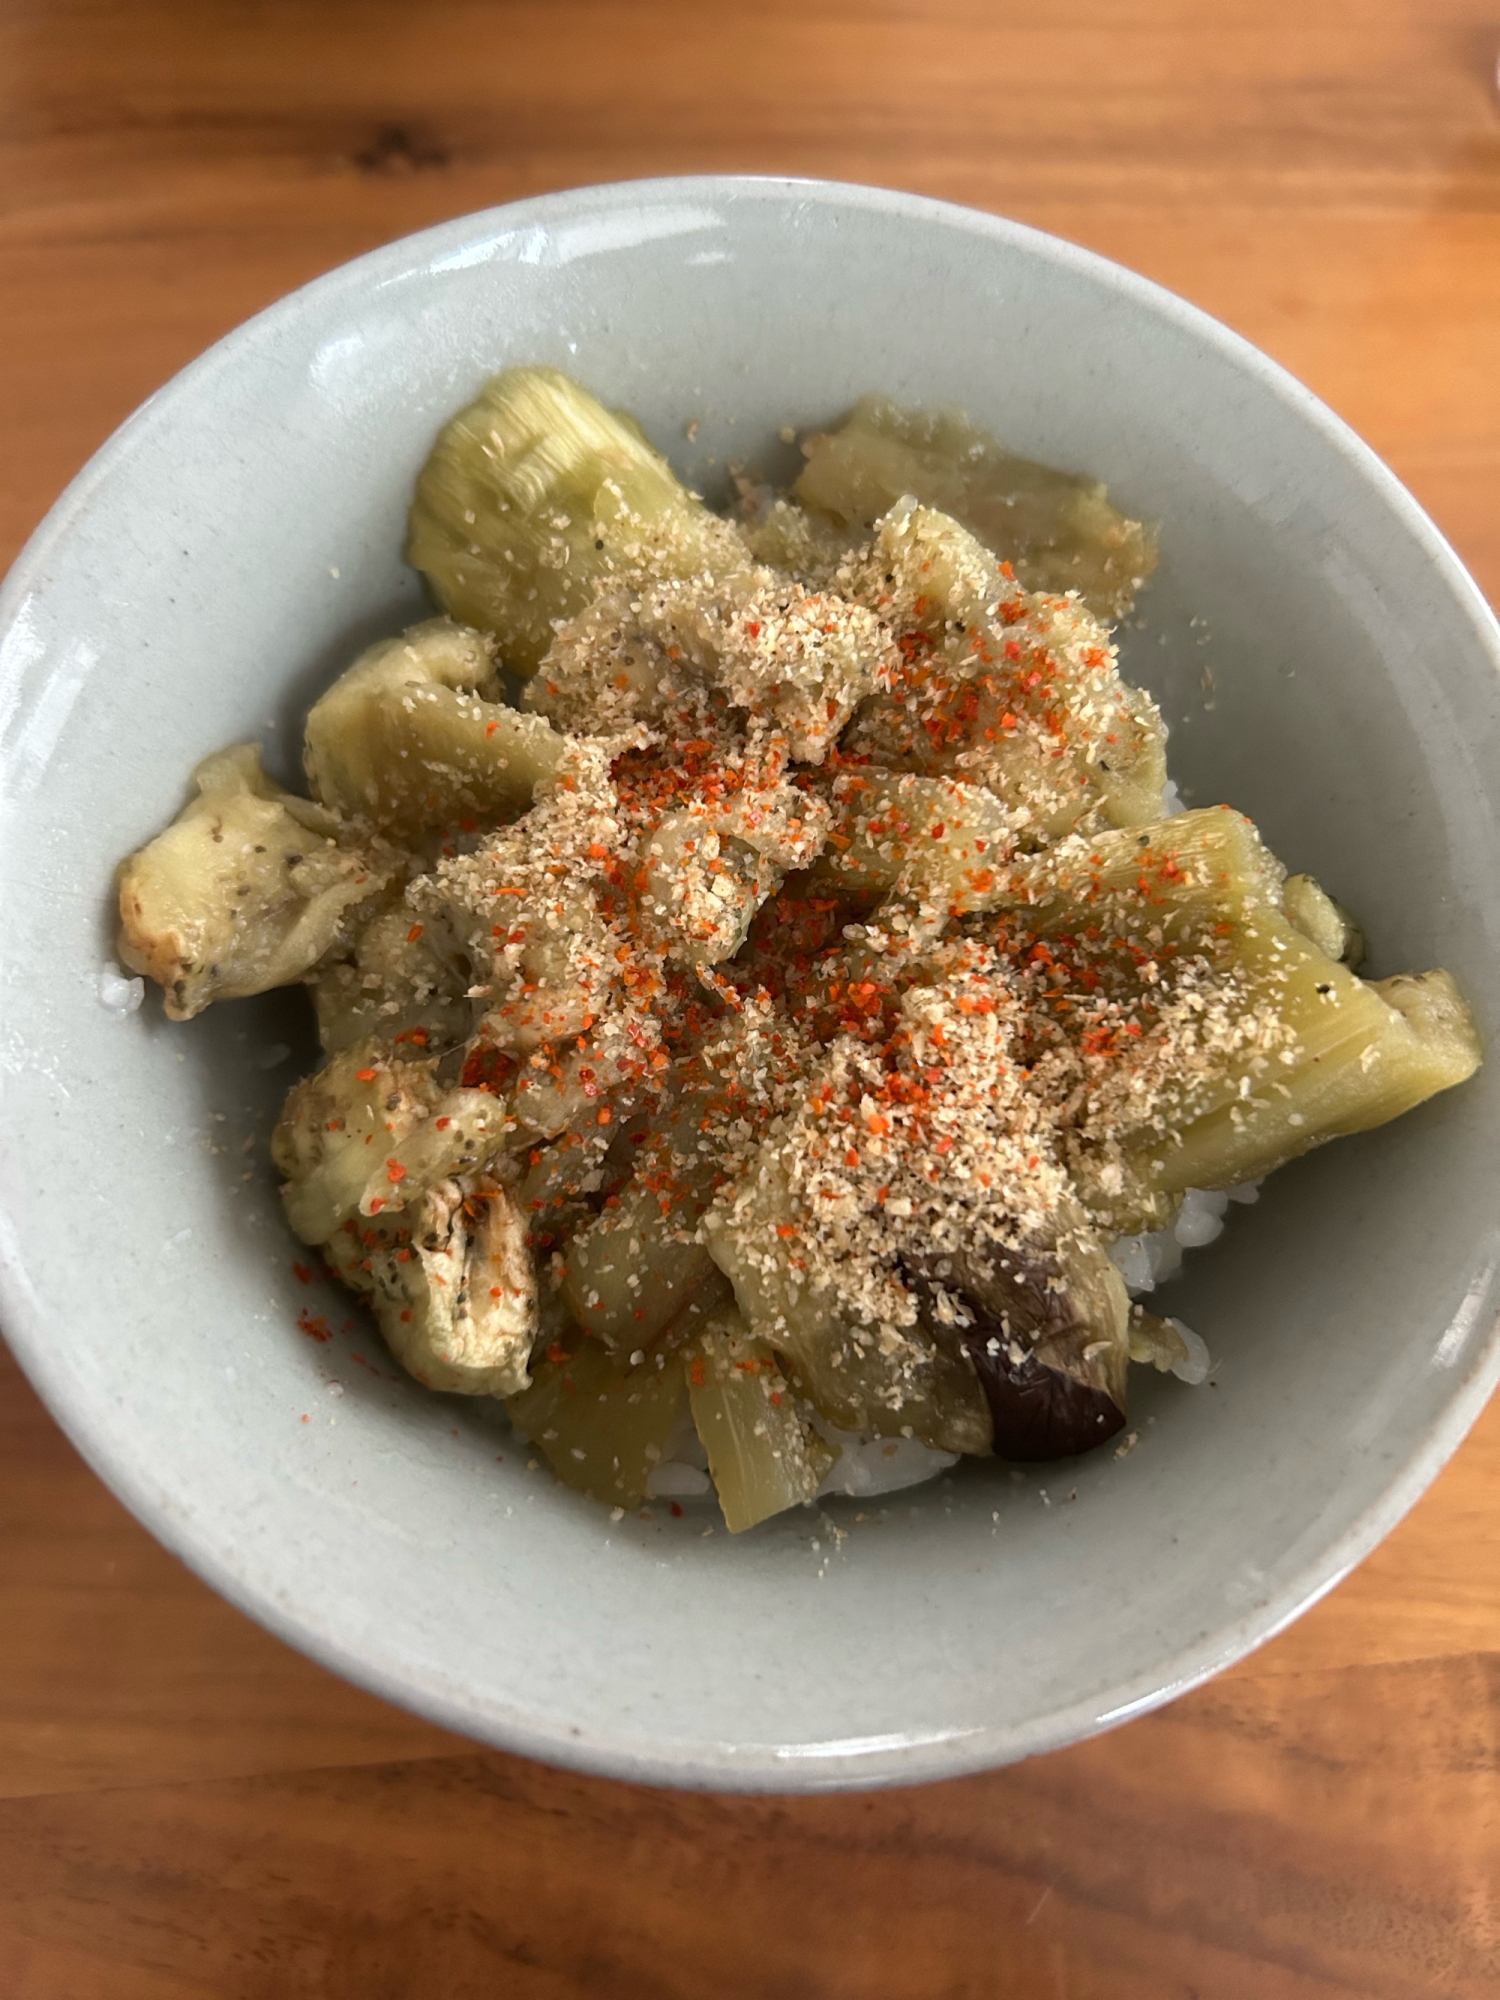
[1325,666]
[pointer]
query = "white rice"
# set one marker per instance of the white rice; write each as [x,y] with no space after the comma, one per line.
[674,1480]
[1195,1367]
[1145,1262]
[870,1466]
[118,992]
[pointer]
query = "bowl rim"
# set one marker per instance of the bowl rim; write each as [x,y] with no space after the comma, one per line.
[853,1763]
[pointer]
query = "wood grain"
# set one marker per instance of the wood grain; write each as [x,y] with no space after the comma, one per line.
[186,1808]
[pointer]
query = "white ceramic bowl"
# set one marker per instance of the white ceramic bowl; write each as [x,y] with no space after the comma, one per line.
[1326,665]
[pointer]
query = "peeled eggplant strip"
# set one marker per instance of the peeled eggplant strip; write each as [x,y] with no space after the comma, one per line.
[535,492]
[762,1455]
[1057,528]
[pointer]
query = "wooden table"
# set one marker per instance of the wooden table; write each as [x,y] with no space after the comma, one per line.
[190,1812]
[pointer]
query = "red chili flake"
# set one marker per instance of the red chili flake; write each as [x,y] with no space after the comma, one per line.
[677,1511]
[395,1173]
[557,1352]
[442,1124]
[314,1325]
[302,1274]
[414,933]
[365,1075]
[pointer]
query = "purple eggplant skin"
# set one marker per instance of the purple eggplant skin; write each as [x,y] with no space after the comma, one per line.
[1040,1412]
[1047,1344]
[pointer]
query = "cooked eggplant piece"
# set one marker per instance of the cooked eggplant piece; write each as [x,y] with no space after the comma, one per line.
[696,892]
[416,736]
[1058,529]
[452,1285]
[247,889]
[1258,1045]
[762,1455]
[806,544]
[1046,1329]
[1326,922]
[641,1262]
[1019,692]
[911,1381]
[895,830]
[601,1421]
[535,492]
[460,1136]
[337,1129]
[406,983]
[631,1272]
[748,639]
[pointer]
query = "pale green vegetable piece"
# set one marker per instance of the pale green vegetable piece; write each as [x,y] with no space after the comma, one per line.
[247,889]
[631,1272]
[650,649]
[1331,1054]
[761,1454]
[601,1423]
[1018,692]
[641,1262]
[452,1284]
[405,983]
[896,829]
[415,736]
[337,1127]
[461,1134]
[1057,529]
[560,1174]
[1320,918]
[804,544]
[697,890]
[532,494]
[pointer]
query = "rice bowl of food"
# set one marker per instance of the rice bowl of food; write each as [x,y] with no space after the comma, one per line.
[658,1208]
